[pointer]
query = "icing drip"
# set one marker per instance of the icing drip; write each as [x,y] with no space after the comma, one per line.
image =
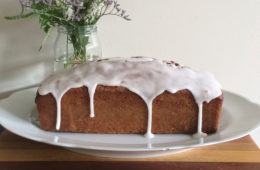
[146,77]
[91,91]
[149,122]
[200,118]
[199,128]
[58,119]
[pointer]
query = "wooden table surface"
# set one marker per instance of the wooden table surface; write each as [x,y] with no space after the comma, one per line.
[20,153]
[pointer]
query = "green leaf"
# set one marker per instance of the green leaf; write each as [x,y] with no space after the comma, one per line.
[22,8]
[45,38]
[29,15]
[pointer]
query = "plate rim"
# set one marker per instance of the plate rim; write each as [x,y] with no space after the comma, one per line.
[99,148]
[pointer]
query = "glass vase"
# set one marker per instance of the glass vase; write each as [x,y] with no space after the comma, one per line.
[76,45]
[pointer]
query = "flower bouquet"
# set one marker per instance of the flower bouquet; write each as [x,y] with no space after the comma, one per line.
[77,19]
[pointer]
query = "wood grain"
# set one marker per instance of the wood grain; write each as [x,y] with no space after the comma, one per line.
[124,165]
[237,154]
[15,148]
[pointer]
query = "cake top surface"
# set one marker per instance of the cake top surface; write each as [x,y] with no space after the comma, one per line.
[144,76]
[147,77]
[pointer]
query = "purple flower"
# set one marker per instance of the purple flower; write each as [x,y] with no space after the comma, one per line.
[118,9]
[79,4]
[79,8]
[37,1]
[26,3]
[116,4]
[28,6]
[127,18]
[75,3]
[109,2]
[71,2]
[123,12]
[47,2]
[79,17]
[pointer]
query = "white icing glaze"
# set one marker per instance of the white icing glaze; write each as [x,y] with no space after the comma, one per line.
[149,121]
[58,106]
[91,91]
[199,133]
[146,77]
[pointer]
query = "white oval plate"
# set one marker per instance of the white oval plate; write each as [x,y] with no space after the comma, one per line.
[239,117]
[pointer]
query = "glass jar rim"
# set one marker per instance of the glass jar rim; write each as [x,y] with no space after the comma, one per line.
[80,29]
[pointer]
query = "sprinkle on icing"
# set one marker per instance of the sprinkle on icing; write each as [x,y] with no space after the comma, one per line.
[147,77]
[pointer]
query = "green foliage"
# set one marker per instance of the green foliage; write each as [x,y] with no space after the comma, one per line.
[67,14]
[48,31]
[21,16]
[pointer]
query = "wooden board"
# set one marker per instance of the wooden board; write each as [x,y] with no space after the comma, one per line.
[18,152]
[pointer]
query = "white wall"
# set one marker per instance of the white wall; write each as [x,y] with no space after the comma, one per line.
[221,36]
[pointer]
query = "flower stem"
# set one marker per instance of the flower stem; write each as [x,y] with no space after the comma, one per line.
[79,42]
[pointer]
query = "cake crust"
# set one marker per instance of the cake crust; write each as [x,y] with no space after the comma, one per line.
[119,110]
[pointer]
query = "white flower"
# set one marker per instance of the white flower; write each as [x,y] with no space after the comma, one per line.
[59,2]
[92,12]
[69,14]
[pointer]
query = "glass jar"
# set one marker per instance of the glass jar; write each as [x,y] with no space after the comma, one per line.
[76,45]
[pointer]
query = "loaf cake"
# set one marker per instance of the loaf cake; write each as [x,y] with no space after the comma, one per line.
[137,95]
